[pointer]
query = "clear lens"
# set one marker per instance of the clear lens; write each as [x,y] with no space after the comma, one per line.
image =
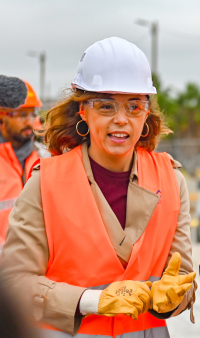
[23,114]
[137,107]
[106,107]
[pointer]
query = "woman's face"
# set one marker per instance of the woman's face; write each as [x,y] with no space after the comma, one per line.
[114,136]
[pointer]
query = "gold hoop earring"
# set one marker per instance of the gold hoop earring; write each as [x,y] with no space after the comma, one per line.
[147,130]
[78,131]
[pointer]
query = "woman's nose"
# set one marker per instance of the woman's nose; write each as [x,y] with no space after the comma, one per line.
[121,117]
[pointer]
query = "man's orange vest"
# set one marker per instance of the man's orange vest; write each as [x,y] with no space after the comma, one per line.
[80,251]
[10,182]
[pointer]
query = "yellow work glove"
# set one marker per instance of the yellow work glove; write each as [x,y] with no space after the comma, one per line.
[169,291]
[128,297]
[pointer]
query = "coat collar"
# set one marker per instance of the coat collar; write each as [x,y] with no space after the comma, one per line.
[86,163]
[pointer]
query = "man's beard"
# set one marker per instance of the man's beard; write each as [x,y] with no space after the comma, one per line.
[19,137]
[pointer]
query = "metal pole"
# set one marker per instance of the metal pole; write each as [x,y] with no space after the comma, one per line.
[42,59]
[154,48]
[153,25]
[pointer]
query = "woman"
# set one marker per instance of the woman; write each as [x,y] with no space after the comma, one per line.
[97,224]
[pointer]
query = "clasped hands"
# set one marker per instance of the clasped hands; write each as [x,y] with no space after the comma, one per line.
[132,298]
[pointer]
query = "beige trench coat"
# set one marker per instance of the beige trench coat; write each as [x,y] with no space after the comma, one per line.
[25,254]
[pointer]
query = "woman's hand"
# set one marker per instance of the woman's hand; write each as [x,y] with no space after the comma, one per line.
[128,297]
[169,291]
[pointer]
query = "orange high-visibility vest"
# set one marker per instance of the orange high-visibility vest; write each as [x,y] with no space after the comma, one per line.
[10,182]
[80,251]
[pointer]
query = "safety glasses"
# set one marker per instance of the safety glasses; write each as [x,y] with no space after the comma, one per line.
[108,107]
[20,114]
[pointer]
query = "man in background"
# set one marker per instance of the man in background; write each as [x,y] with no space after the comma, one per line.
[13,92]
[18,150]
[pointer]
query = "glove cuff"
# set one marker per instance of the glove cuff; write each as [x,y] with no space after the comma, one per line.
[89,302]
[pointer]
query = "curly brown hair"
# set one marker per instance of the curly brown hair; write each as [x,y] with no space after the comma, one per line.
[60,127]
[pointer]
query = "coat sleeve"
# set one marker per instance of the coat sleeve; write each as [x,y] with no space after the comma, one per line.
[182,243]
[24,263]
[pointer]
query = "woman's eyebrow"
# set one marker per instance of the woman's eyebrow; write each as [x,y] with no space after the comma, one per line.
[134,98]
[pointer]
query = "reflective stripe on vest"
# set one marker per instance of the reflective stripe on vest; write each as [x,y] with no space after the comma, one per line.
[103,287]
[7,204]
[81,253]
[160,332]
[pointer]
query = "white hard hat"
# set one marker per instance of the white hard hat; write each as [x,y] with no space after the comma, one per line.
[114,65]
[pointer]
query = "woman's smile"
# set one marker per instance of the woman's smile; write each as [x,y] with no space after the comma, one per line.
[118,136]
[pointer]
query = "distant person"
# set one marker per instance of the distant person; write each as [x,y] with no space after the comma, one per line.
[18,151]
[13,92]
[95,227]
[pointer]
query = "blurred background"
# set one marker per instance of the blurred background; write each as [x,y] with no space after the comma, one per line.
[42,41]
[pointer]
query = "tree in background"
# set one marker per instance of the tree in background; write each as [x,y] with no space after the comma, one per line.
[182,110]
[188,113]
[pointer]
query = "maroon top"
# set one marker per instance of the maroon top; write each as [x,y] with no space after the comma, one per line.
[114,186]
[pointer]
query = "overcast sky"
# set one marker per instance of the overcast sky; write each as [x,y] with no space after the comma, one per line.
[65,28]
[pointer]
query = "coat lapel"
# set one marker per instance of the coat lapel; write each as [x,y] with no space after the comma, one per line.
[117,235]
[141,204]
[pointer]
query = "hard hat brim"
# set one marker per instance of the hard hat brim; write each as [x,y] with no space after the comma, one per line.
[106,91]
